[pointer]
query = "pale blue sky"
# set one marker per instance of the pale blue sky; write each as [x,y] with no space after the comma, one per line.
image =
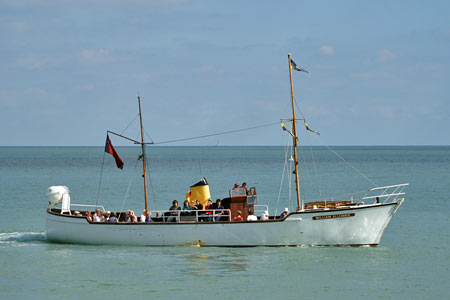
[379,70]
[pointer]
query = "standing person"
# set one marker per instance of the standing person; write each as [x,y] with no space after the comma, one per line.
[244,188]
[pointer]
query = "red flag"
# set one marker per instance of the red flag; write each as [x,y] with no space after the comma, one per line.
[110,149]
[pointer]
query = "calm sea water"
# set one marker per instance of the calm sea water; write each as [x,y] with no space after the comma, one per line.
[412,261]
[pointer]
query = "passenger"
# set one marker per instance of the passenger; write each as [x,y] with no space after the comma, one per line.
[285,213]
[77,213]
[113,218]
[98,217]
[239,216]
[128,218]
[198,205]
[143,216]
[219,210]
[207,208]
[244,188]
[251,216]
[134,219]
[148,219]
[265,215]
[89,216]
[186,208]
[106,216]
[173,211]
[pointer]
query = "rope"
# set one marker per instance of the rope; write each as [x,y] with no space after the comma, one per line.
[215,134]
[315,171]
[282,179]
[128,190]
[101,175]
[349,164]
[129,124]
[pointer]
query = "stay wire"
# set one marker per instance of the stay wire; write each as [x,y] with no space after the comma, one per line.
[215,134]
[101,175]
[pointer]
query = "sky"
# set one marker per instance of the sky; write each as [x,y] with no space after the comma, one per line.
[379,71]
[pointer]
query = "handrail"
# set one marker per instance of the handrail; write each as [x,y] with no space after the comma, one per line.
[389,193]
[199,215]
[88,205]
[388,186]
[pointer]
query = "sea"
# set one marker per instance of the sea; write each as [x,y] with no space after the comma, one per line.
[411,262]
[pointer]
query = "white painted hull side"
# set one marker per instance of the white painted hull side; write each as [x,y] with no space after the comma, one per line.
[332,227]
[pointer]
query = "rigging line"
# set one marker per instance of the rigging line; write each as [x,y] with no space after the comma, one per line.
[148,135]
[147,169]
[128,189]
[315,171]
[214,134]
[282,179]
[101,175]
[129,124]
[299,110]
[349,164]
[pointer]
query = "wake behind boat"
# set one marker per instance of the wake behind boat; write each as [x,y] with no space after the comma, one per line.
[237,220]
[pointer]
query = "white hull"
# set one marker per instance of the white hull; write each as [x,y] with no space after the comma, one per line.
[360,225]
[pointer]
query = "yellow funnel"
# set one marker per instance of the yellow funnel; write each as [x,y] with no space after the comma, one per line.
[200,192]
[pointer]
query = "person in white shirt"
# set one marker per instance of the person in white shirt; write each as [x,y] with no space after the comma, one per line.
[251,216]
[98,217]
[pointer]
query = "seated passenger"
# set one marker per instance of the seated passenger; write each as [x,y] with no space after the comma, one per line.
[186,208]
[143,216]
[98,217]
[77,213]
[89,216]
[173,211]
[134,218]
[284,213]
[219,210]
[239,216]
[251,216]
[148,219]
[113,218]
[106,216]
[198,205]
[128,217]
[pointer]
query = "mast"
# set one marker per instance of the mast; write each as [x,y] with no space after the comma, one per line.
[143,156]
[294,137]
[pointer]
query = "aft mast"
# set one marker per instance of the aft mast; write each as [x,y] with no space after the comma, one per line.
[294,138]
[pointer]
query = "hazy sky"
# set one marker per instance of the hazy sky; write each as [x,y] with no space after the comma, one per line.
[379,71]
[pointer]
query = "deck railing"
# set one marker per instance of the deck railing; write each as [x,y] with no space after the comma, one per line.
[387,194]
[206,215]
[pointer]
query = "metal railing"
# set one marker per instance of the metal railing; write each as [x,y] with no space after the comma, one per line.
[206,215]
[388,193]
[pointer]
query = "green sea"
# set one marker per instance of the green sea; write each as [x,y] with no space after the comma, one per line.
[411,262]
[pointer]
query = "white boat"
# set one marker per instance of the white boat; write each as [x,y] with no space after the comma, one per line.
[325,223]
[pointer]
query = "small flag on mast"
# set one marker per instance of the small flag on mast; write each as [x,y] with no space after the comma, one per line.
[110,149]
[285,129]
[295,67]
[309,128]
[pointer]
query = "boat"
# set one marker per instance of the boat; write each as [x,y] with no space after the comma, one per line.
[239,222]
